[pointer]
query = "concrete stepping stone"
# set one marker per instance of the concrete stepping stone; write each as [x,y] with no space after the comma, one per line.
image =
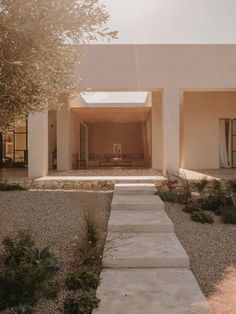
[139,221]
[136,202]
[150,291]
[135,188]
[144,250]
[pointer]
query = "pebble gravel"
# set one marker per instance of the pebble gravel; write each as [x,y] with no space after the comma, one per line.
[55,218]
[211,248]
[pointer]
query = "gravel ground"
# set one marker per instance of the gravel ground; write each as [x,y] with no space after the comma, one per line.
[55,218]
[211,248]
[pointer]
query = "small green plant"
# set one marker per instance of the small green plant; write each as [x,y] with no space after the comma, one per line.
[26,273]
[167,196]
[216,202]
[91,241]
[91,229]
[23,309]
[4,187]
[202,217]
[217,187]
[232,185]
[15,246]
[84,278]
[83,303]
[201,184]
[192,207]
[170,181]
[229,215]
[186,187]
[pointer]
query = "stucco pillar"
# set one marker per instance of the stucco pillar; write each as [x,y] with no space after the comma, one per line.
[155,130]
[64,155]
[38,144]
[171,129]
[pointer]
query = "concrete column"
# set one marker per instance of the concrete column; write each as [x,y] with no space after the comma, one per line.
[64,154]
[155,131]
[156,125]
[38,144]
[171,129]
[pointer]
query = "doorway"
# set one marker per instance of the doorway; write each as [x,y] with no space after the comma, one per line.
[14,146]
[227,141]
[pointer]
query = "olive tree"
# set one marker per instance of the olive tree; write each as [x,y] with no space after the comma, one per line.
[39,49]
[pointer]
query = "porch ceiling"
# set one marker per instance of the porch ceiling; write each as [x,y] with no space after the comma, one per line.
[113,115]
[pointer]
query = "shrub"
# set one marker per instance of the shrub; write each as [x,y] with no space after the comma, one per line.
[216,202]
[229,215]
[91,231]
[84,278]
[27,272]
[232,185]
[217,187]
[83,303]
[91,242]
[23,309]
[167,196]
[4,187]
[15,246]
[192,207]
[170,181]
[200,184]
[202,217]
[186,187]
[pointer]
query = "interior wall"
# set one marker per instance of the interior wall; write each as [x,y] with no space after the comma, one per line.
[102,138]
[200,129]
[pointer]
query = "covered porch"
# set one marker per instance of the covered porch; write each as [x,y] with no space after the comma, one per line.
[208,132]
[100,134]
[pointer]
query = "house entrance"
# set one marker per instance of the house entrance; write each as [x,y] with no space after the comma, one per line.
[227,140]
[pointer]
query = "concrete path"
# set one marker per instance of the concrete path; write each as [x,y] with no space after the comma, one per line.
[146,269]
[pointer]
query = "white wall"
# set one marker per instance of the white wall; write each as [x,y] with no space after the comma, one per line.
[200,133]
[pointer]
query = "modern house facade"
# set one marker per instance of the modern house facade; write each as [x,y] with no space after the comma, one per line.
[185,118]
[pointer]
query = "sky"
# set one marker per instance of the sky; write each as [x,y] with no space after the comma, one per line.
[173,21]
[114,97]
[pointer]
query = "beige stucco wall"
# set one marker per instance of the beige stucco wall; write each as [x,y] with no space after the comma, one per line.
[200,129]
[145,67]
[102,138]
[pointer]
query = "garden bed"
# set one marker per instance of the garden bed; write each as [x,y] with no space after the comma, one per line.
[204,217]
[211,247]
[55,218]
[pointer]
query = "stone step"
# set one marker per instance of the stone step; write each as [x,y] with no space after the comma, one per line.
[139,179]
[144,250]
[136,202]
[134,188]
[150,291]
[139,221]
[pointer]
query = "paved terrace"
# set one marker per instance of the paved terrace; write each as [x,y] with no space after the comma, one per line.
[116,175]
